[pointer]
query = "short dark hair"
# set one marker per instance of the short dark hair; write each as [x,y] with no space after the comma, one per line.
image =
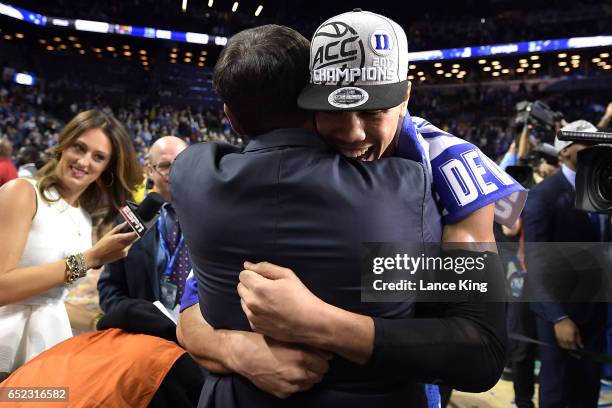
[259,75]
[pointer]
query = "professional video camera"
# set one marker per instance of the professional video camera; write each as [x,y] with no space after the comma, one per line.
[540,116]
[594,173]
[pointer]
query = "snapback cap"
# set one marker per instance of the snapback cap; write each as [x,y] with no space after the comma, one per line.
[358,61]
[575,126]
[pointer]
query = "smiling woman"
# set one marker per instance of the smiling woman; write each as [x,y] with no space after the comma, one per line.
[46,239]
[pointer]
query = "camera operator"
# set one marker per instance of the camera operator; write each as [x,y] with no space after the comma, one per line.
[550,216]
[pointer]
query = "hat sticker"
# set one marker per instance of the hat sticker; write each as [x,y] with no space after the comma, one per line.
[381,42]
[348,97]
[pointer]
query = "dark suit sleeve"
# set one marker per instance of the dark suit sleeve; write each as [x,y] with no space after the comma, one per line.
[537,223]
[460,344]
[112,285]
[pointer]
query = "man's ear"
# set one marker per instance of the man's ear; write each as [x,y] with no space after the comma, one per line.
[232,119]
[404,104]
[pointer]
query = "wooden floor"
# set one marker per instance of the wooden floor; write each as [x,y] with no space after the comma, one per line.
[502,396]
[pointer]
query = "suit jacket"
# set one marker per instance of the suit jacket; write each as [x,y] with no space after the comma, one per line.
[557,273]
[128,287]
[290,199]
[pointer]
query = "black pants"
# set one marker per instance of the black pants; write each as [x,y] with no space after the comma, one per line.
[521,320]
[566,381]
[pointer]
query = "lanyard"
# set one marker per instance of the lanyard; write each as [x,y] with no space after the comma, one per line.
[170,258]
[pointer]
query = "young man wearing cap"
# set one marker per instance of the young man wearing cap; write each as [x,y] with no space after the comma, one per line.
[556,275]
[460,328]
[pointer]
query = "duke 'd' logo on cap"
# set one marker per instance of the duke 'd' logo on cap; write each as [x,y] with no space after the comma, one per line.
[381,42]
[348,97]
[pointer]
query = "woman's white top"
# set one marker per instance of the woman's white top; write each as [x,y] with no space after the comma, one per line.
[33,325]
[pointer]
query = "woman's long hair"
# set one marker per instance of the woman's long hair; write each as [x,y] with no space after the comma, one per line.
[121,176]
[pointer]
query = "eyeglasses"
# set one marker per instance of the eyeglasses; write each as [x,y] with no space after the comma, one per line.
[162,168]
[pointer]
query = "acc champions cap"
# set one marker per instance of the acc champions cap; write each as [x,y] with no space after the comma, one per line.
[358,61]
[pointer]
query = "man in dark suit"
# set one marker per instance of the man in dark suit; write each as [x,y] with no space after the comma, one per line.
[157,265]
[559,274]
[291,199]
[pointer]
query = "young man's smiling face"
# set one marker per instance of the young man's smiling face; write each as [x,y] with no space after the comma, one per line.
[363,135]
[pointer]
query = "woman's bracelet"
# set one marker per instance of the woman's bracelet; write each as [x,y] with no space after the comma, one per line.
[75,267]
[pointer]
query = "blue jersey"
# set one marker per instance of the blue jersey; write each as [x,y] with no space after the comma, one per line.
[463,178]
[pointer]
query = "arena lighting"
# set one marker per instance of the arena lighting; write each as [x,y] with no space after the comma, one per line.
[188,54]
[43,41]
[187,60]
[127,53]
[482,61]
[60,22]
[495,74]
[456,65]
[411,66]
[57,39]
[81,52]
[562,63]
[18,35]
[575,57]
[91,26]
[486,69]
[448,75]
[143,51]
[77,45]
[604,55]
[411,77]
[110,48]
[258,11]
[562,55]
[454,70]
[24,79]
[520,70]
[522,61]
[534,57]
[173,55]
[450,53]
[495,63]
[72,38]
[596,59]
[439,72]
[505,71]
[420,73]
[50,48]
[437,64]
[235,7]
[497,67]
[536,65]
[184,6]
[566,69]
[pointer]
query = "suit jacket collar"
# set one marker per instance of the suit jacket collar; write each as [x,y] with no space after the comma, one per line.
[287,138]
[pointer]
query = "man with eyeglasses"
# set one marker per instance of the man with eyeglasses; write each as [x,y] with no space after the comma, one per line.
[158,264]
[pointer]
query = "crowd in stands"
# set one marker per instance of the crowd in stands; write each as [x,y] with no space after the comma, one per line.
[485,116]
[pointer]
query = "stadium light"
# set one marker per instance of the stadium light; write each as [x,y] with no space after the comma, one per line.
[455,70]
[24,79]
[522,61]
[7,37]
[184,6]
[505,71]
[456,65]
[77,45]
[562,55]
[596,59]
[411,77]
[604,55]
[482,61]
[520,70]
[486,69]
[43,41]
[235,7]
[562,63]
[575,57]
[495,74]
[258,11]
[411,66]
[536,65]
[210,3]
[19,35]
[495,63]
[566,69]
[535,57]
[439,72]
[438,64]
[448,75]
